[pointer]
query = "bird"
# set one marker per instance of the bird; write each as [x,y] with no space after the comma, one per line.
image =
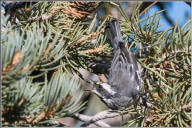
[124,79]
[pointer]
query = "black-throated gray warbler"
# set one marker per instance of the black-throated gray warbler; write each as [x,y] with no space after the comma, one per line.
[124,82]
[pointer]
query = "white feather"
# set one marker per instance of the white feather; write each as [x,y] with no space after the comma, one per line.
[108,88]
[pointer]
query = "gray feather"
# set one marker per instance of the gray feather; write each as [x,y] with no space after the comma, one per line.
[113,31]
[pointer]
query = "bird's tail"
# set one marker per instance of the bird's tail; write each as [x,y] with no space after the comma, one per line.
[113,31]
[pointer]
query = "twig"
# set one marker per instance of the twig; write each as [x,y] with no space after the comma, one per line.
[94,50]
[39,118]
[92,119]
[87,37]
[103,118]
[45,16]
[16,58]
[147,8]
[184,107]
[99,123]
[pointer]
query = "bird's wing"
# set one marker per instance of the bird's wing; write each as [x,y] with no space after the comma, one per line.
[124,72]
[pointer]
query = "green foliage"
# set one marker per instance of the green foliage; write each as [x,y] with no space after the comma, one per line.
[27,101]
[25,51]
[165,59]
[46,46]
[41,50]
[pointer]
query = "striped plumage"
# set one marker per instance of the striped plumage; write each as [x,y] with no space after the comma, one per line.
[124,73]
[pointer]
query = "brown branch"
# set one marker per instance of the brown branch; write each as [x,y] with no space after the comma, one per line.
[15,61]
[104,118]
[184,107]
[147,8]
[39,118]
[95,50]
[21,102]
[72,11]
[45,16]
[87,37]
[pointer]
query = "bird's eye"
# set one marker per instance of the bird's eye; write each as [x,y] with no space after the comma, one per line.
[99,85]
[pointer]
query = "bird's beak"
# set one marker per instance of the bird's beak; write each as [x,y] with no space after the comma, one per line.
[98,83]
[102,79]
